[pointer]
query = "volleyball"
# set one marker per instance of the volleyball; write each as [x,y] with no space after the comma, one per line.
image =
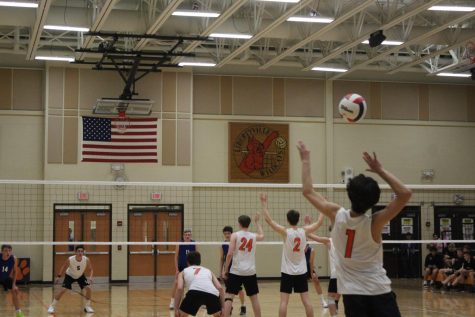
[352,108]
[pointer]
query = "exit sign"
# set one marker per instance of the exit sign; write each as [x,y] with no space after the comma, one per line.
[83,196]
[156,196]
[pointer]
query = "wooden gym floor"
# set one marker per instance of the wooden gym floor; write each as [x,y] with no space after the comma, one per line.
[145,300]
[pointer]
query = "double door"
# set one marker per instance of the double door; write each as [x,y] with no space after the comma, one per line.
[153,223]
[83,223]
[403,260]
[455,222]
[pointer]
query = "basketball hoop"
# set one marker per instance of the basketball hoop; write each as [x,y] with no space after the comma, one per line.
[122,123]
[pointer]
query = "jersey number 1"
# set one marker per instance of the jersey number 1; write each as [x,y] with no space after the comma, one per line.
[349,242]
[245,245]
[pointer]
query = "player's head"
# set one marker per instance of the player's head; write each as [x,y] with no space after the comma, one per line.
[244,221]
[6,250]
[187,235]
[293,217]
[79,249]
[193,258]
[363,192]
[227,232]
[467,256]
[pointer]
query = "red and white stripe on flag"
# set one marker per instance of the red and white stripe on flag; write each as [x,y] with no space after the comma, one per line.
[102,142]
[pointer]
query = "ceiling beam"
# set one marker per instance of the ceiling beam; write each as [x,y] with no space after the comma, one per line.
[319,33]
[406,44]
[431,55]
[335,53]
[35,35]
[213,26]
[98,24]
[162,18]
[297,7]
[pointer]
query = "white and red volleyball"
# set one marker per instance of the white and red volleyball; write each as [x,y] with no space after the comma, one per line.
[352,108]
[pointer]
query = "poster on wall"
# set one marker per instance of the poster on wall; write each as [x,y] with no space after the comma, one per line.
[258,153]
[407,225]
[446,228]
[467,228]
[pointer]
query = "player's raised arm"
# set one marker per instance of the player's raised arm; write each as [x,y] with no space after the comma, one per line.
[260,232]
[403,194]
[267,217]
[312,227]
[329,209]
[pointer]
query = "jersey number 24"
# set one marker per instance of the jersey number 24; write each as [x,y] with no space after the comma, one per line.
[245,244]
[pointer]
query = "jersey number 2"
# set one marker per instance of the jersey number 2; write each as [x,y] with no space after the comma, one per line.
[297,242]
[245,245]
[349,242]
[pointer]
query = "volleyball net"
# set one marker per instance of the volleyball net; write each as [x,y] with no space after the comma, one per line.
[57,212]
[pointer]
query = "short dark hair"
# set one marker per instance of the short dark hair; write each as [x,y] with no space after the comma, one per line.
[193,258]
[186,231]
[244,221]
[364,193]
[228,229]
[79,247]
[6,246]
[293,217]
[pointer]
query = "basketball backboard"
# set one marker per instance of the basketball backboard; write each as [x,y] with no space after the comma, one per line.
[132,107]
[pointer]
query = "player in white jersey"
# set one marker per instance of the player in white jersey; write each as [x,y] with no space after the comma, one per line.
[75,267]
[242,253]
[294,265]
[203,289]
[356,237]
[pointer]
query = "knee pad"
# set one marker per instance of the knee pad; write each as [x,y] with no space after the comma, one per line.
[331,301]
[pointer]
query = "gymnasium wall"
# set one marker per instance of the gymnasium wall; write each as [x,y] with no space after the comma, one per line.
[411,126]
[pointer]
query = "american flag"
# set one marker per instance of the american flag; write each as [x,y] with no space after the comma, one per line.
[102,142]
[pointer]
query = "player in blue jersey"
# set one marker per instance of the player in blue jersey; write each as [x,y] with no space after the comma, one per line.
[223,252]
[180,260]
[8,271]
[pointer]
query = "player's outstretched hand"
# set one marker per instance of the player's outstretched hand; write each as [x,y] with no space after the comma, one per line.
[263,197]
[303,151]
[307,220]
[373,163]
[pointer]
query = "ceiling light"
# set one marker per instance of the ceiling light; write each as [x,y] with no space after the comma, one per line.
[330,69]
[289,1]
[386,42]
[197,64]
[66,28]
[453,75]
[452,8]
[231,35]
[310,19]
[55,58]
[18,4]
[200,14]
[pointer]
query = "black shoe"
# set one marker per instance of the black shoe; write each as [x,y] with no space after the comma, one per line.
[243,311]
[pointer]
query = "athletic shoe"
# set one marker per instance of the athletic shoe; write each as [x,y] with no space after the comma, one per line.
[243,311]
[20,314]
[51,309]
[172,305]
[88,309]
[425,284]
